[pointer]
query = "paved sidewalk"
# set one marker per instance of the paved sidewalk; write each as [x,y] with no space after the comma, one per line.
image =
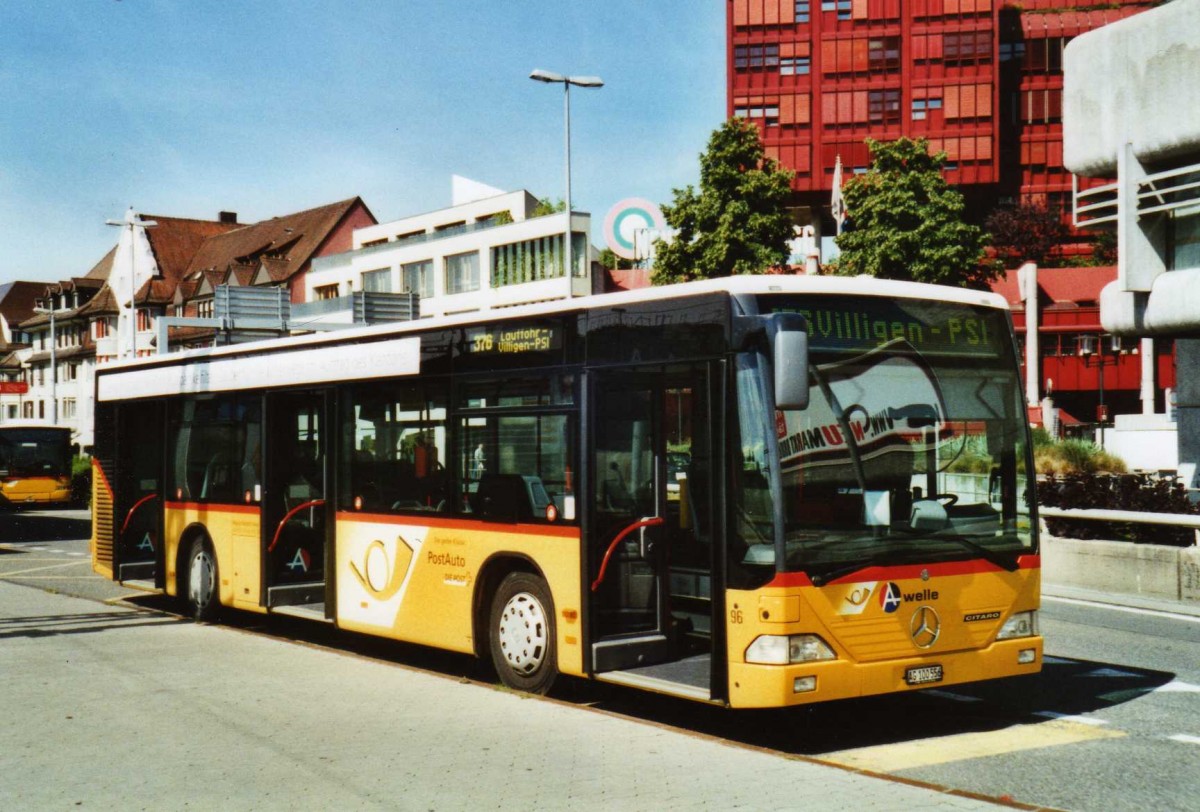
[107,707]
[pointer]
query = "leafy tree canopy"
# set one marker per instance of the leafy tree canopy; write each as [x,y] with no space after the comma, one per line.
[738,223]
[547,206]
[907,223]
[1025,233]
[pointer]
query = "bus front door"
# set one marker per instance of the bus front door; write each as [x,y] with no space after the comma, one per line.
[138,511]
[294,537]
[650,545]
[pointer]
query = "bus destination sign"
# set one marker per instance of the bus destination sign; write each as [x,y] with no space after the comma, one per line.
[512,340]
[865,323]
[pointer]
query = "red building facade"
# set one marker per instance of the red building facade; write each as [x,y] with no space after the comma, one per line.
[981,81]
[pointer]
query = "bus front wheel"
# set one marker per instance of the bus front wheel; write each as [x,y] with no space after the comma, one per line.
[522,634]
[202,597]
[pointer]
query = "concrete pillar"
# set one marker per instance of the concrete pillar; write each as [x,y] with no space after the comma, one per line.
[1146,353]
[1187,399]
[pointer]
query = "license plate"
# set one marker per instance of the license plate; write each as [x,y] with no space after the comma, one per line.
[923,675]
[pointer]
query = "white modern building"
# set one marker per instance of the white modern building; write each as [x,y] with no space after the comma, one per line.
[1141,123]
[487,250]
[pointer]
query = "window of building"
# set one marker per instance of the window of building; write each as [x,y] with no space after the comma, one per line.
[883,53]
[377,281]
[537,259]
[68,407]
[883,106]
[802,10]
[755,57]
[144,321]
[27,407]
[921,107]
[462,272]
[767,114]
[842,7]
[967,47]
[795,65]
[1044,55]
[370,243]
[1010,51]
[417,277]
[324,292]
[1041,106]
[205,309]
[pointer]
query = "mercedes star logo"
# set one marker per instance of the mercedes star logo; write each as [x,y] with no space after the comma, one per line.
[925,627]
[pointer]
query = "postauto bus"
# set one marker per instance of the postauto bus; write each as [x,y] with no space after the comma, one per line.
[754,492]
[35,464]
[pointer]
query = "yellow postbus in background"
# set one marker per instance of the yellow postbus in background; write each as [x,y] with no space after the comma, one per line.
[754,492]
[35,464]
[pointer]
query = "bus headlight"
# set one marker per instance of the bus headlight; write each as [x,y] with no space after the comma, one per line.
[1022,624]
[777,649]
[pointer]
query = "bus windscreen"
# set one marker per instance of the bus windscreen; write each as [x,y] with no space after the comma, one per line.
[912,447]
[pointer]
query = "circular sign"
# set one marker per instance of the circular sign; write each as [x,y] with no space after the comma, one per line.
[625,220]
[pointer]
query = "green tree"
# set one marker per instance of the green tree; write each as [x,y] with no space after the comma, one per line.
[609,259]
[907,223]
[546,206]
[738,222]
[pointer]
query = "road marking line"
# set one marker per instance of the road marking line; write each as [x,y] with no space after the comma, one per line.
[1133,610]
[890,758]
[1109,672]
[39,569]
[1127,695]
[1178,687]
[1065,717]
[1186,739]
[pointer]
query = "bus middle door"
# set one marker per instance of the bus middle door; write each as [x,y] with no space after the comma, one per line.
[639,522]
[294,527]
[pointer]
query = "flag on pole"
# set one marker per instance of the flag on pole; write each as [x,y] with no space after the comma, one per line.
[837,205]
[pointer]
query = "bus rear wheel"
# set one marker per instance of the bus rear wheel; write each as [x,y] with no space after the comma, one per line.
[202,596]
[522,635]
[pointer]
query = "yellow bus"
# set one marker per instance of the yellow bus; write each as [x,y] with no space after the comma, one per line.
[753,492]
[35,464]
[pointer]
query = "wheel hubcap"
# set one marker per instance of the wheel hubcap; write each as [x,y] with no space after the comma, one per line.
[523,633]
[200,579]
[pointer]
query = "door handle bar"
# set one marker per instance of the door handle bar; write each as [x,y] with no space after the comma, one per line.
[132,510]
[290,514]
[652,521]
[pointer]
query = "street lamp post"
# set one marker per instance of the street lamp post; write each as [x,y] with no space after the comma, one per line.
[132,222]
[1091,350]
[549,77]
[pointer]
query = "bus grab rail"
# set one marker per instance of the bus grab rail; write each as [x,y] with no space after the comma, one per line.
[290,514]
[132,510]
[653,521]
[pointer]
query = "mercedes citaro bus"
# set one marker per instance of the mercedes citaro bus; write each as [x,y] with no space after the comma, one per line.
[755,492]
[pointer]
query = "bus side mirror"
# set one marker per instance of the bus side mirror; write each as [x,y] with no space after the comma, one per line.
[789,351]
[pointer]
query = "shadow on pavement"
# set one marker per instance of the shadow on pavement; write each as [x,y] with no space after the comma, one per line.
[18,526]
[83,623]
[1065,687]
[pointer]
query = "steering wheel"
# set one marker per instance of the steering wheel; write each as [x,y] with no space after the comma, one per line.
[947,499]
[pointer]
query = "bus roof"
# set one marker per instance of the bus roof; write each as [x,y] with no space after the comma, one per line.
[746,284]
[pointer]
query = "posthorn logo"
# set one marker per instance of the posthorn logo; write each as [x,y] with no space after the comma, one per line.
[889,598]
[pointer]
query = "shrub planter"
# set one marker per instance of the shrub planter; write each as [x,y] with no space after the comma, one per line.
[1122,568]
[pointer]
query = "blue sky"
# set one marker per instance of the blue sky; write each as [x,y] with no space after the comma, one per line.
[190,107]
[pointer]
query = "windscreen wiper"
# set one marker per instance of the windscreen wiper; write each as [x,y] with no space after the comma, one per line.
[1001,560]
[885,557]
